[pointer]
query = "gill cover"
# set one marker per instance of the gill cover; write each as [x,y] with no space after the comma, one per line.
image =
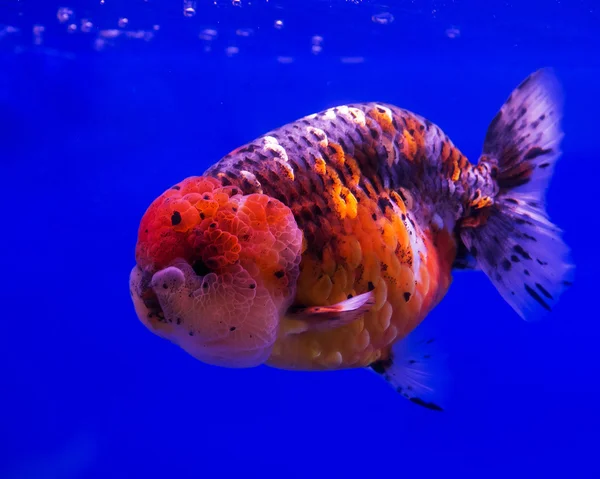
[216,270]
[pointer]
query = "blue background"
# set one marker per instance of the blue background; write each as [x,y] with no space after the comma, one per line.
[89,138]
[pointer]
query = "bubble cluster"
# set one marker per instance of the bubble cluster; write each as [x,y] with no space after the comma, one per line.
[207,36]
[233,25]
[38,32]
[107,37]
[317,44]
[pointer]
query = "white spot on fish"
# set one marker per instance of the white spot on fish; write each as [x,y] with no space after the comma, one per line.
[278,150]
[357,116]
[269,140]
[330,114]
[320,134]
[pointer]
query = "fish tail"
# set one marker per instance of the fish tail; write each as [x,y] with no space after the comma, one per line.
[508,233]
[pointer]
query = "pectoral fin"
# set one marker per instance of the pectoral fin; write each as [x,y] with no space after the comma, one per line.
[323,318]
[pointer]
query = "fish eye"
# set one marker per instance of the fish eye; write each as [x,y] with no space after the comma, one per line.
[200,268]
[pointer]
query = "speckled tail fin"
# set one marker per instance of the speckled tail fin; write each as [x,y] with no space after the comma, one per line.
[512,239]
[417,370]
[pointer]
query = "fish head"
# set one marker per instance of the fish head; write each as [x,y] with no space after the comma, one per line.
[216,270]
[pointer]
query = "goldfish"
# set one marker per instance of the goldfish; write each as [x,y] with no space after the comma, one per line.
[324,244]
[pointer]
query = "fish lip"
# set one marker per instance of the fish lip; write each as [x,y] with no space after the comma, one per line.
[141,290]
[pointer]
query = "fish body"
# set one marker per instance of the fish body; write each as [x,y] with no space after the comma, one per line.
[324,243]
[352,177]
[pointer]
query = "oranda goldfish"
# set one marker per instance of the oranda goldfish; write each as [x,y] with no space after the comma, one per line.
[323,244]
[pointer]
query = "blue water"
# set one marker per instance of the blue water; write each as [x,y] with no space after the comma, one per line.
[93,128]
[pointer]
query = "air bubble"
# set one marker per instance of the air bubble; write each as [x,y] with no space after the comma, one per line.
[316,44]
[208,34]
[231,51]
[453,32]
[99,43]
[140,35]
[7,30]
[244,32]
[86,26]
[109,33]
[236,3]
[278,24]
[38,31]
[189,8]
[64,14]
[383,18]
[352,60]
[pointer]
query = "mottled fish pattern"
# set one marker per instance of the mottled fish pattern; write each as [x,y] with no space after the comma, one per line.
[325,242]
[376,191]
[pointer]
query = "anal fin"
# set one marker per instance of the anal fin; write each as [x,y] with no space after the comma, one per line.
[415,370]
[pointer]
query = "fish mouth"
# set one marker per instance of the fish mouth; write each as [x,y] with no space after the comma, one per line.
[144,298]
[166,302]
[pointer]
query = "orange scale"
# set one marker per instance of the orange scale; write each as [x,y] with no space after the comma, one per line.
[384,119]
[398,200]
